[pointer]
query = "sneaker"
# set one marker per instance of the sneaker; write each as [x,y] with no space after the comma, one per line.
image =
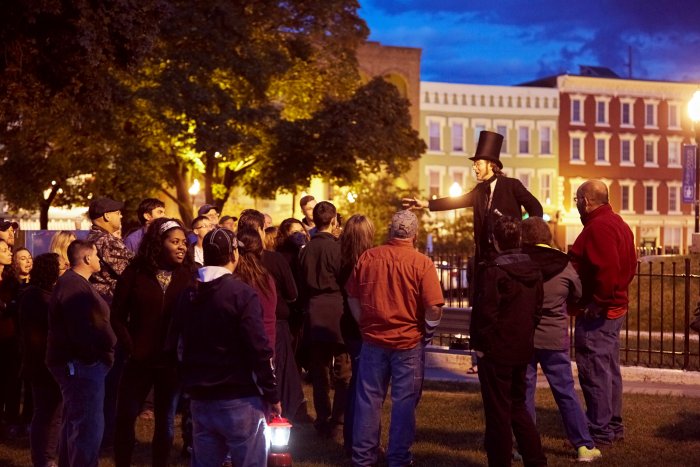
[588,455]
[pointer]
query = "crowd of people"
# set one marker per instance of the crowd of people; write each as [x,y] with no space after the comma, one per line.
[223,318]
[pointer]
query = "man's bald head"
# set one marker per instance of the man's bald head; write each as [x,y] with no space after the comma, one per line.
[595,191]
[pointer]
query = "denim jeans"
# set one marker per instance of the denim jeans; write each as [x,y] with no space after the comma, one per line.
[83,390]
[597,343]
[354,347]
[378,367]
[235,426]
[46,422]
[503,394]
[330,367]
[136,382]
[556,366]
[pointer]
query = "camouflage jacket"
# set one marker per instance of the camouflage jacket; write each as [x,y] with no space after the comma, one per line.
[114,258]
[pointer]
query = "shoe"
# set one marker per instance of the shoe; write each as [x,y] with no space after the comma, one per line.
[588,455]
[517,457]
[473,370]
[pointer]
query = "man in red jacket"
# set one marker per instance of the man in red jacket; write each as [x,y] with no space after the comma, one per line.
[605,258]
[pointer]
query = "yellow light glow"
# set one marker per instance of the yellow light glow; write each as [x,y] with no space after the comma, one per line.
[694,107]
[455,190]
[194,189]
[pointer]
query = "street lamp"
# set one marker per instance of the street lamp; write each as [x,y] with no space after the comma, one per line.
[194,191]
[455,191]
[694,113]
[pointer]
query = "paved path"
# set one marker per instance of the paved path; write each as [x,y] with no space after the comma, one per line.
[638,380]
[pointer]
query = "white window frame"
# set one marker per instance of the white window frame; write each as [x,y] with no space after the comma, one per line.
[630,139]
[654,186]
[628,101]
[440,170]
[508,125]
[674,108]
[581,100]
[530,173]
[581,136]
[478,122]
[605,101]
[452,171]
[654,104]
[549,127]
[546,190]
[676,187]
[605,139]
[451,122]
[440,121]
[530,125]
[630,184]
[678,142]
[654,141]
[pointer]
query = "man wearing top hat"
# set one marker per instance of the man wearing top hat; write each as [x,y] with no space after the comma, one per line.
[494,196]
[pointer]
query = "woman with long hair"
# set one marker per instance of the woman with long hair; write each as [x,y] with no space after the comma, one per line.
[34,326]
[59,245]
[357,237]
[22,264]
[144,299]
[251,271]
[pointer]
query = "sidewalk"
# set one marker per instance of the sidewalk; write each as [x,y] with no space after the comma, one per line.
[446,365]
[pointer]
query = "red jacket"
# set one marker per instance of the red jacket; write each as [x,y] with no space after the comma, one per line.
[606,260]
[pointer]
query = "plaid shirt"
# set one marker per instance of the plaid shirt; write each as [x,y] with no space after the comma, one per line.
[114,256]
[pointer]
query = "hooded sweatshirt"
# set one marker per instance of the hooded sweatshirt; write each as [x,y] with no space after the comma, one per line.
[561,285]
[226,354]
[507,308]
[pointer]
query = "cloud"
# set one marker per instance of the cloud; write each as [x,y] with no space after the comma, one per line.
[530,39]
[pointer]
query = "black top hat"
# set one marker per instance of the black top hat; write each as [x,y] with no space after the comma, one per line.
[489,147]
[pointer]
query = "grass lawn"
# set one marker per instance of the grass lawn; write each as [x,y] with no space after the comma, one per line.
[661,430]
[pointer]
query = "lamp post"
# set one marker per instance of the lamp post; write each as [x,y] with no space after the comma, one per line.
[455,191]
[694,114]
[194,191]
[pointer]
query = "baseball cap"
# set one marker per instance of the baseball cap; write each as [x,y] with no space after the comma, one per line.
[218,246]
[4,225]
[100,206]
[404,224]
[206,208]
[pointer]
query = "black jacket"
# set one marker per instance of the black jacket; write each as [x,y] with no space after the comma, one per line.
[79,327]
[226,354]
[507,308]
[509,198]
[34,329]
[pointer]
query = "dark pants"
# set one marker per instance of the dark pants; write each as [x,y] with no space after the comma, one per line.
[135,385]
[83,390]
[46,422]
[10,382]
[111,391]
[503,393]
[354,348]
[329,361]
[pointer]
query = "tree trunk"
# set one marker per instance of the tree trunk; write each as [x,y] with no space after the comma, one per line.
[178,177]
[44,206]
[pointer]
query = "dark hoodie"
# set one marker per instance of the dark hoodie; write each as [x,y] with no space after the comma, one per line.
[226,354]
[507,309]
[561,285]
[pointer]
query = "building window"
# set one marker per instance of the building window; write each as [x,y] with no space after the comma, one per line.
[457,137]
[625,198]
[545,140]
[650,153]
[434,184]
[523,140]
[577,149]
[503,131]
[601,112]
[626,113]
[650,199]
[434,136]
[525,176]
[674,153]
[601,150]
[672,240]
[458,177]
[576,110]
[650,115]
[626,152]
[477,131]
[674,204]
[546,188]
[673,115]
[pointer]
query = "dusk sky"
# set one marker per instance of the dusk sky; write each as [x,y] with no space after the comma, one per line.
[507,42]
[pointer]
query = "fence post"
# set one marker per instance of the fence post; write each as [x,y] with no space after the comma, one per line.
[686,328]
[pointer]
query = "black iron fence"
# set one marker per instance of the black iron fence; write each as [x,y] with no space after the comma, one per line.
[656,333]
